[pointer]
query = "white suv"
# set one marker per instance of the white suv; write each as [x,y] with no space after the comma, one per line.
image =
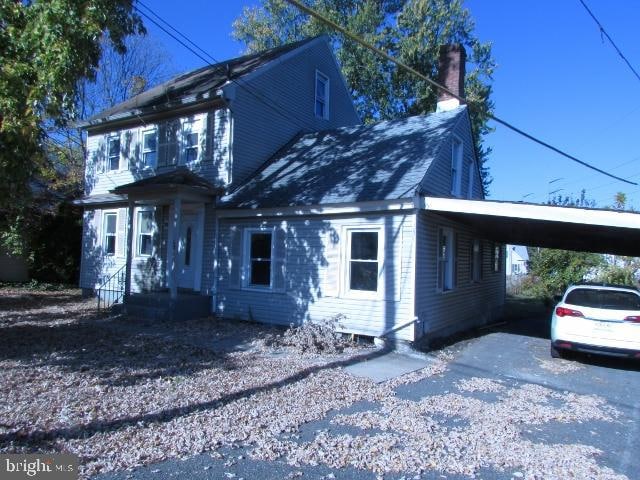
[597,319]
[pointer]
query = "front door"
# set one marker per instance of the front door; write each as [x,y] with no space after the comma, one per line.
[188,243]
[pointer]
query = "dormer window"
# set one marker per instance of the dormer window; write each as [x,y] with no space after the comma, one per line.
[113,153]
[322,96]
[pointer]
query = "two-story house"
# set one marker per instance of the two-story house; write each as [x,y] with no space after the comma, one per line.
[249,189]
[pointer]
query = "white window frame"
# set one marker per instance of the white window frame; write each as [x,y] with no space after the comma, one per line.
[144,150]
[472,178]
[139,213]
[186,129]
[246,263]
[110,137]
[317,98]
[457,154]
[445,264]
[346,262]
[105,214]
[496,258]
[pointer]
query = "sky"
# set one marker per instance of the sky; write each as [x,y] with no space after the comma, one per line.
[557,79]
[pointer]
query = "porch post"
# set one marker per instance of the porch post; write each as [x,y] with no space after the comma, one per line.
[174,248]
[127,279]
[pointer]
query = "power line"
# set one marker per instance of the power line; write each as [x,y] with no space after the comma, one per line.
[604,32]
[289,116]
[433,83]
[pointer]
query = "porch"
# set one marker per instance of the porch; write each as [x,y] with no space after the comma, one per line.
[166,221]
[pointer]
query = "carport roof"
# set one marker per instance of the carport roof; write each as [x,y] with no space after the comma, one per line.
[570,228]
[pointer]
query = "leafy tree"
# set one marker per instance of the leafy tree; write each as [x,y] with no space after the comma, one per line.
[411,30]
[46,47]
[555,270]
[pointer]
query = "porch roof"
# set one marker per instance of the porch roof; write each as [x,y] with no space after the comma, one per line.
[570,228]
[101,199]
[179,182]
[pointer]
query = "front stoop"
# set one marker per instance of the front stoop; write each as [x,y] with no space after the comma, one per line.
[160,306]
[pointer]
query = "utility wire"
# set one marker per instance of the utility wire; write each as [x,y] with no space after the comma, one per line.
[433,83]
[289,116]
[604,32]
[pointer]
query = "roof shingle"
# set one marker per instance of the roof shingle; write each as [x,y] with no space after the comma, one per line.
[383,161]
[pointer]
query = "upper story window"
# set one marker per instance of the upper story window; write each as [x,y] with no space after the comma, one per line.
[259,258]
[472,177]
[168,143]
[322,96]
[113,153]
[456,167]
[150,148]
[364,261]
[145,233]
[109,236]
[191,137]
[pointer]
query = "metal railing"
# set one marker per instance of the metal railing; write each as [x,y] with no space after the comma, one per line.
[112,290]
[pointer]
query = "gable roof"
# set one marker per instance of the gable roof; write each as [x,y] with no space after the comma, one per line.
[384,161]
[194,86]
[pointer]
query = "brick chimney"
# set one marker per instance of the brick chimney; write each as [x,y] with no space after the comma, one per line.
[451,70]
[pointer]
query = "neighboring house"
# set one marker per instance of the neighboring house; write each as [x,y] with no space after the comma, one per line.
[250,190]
[517,260]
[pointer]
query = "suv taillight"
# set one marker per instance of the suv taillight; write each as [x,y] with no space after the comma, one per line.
[633,319]
[568,312]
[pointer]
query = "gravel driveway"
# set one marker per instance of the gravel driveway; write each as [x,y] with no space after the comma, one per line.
[195,403]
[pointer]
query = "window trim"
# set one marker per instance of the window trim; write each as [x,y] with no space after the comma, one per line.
[110,137]
[316,98]
[105,214]
[246,259]
[450,260]
[456,166]
[144,150]
[138,233]
[198,120]
[346,263]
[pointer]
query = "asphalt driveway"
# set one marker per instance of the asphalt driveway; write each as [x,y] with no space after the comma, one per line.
[494,406]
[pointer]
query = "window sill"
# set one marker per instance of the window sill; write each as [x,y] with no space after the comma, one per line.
[258,288]
[362,295]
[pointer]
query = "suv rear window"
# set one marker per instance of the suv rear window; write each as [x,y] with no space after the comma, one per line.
[607,299]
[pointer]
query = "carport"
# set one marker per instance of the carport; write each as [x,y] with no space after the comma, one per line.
[570,228]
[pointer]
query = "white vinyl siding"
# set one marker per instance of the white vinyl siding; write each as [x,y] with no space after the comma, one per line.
[312,264]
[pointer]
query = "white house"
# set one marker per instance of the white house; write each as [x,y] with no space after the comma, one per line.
[250,190]
[517,260]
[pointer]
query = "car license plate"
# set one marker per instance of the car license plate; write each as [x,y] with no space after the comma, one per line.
[602,327]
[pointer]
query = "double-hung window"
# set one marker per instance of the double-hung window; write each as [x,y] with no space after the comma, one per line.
[149,148]
[110,223]
[191,140]
[113,153]
[456,167]
[363,261]
[322,96]
[446,259]
[145,233]
[259,247]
